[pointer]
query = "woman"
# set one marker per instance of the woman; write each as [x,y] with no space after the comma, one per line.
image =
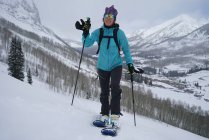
[109,62]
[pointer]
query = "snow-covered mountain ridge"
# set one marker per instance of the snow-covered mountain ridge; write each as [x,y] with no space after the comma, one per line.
[20,10]
[25,14]
[182,41]
[176,27]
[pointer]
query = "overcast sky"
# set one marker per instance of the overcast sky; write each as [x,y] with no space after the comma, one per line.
[133,15]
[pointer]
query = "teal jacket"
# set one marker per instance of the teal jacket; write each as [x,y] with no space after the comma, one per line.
[109,58]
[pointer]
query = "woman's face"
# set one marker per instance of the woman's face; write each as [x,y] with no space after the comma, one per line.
[109,20]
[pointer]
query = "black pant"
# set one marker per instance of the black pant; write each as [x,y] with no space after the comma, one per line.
[105,84]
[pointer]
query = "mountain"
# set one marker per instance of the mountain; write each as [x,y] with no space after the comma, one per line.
[175,46]
[21,18]
[23,13]
[21,10]
[33,112]
[174,28]
[45,52]
[182,41]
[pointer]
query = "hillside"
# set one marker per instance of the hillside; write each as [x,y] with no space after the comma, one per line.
[37,113]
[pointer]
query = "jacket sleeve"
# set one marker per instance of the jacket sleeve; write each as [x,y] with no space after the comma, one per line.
[90,39]
[123,41]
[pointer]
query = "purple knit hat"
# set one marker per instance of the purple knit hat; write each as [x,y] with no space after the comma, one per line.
[111,10]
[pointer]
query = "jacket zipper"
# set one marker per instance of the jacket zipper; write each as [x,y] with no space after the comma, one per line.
[108,59]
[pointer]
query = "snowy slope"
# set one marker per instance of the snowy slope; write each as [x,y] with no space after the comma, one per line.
[73,43]
[36,113]
[202,78]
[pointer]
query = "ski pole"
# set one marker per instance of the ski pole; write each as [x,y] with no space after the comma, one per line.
[78,71]
[84,28]
[110,97]
[133,98]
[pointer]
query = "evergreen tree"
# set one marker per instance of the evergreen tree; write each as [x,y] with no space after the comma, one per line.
[30,81]
[150,82]
[36,71]
[16,60]
[145,80]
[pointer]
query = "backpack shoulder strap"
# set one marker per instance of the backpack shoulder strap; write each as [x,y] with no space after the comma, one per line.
[115,36]
[101,32]
[101,35]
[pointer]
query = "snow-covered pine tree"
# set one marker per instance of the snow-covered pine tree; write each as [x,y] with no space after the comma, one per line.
[16,60]
[30,81]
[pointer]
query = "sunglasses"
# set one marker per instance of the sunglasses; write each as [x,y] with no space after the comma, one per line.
[109,16]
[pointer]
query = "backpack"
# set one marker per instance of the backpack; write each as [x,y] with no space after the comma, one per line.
[101,36]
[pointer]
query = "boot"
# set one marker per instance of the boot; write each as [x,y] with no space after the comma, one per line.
[102,121]
[115,120]
[104,118]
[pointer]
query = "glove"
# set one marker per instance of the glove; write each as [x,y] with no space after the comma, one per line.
[138,70]
[131,68]
[84,26]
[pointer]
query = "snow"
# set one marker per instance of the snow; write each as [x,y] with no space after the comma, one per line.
[34,112]
[178,95]
[164,90]
[172,93]
[176,67]
[74,45]
[202,78]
